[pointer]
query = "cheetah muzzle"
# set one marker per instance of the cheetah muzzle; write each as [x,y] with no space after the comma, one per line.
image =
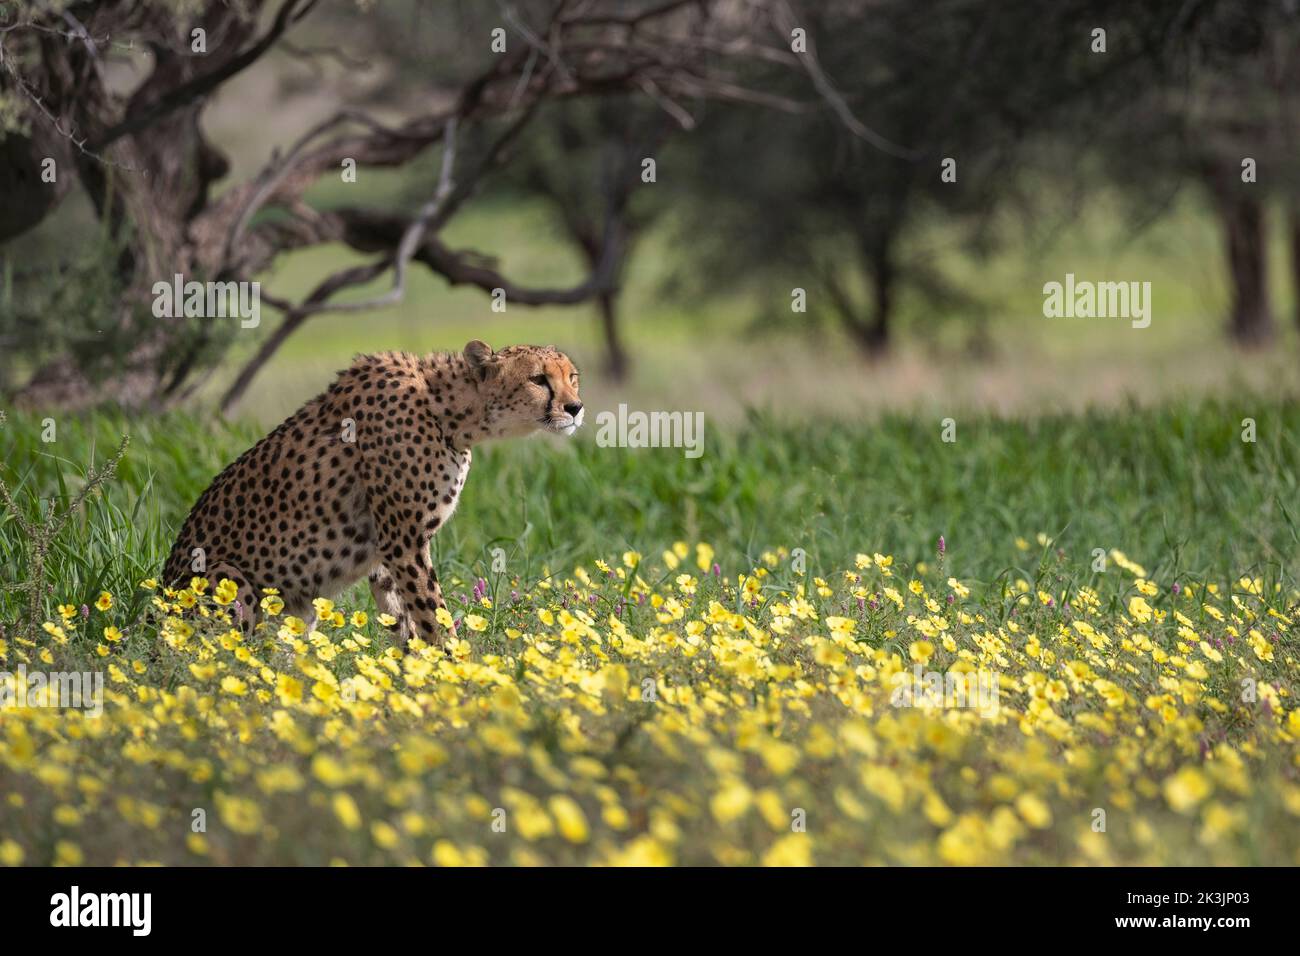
[357,482]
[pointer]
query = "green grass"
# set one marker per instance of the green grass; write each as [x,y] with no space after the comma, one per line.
[344,749]
[1176,487]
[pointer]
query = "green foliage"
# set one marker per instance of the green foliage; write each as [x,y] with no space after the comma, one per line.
[338,752]
[40,532]
[1175,489]
[71,311]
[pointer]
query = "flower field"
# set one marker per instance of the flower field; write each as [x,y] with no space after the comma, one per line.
[658,710]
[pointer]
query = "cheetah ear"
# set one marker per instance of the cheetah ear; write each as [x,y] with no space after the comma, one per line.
[477,353]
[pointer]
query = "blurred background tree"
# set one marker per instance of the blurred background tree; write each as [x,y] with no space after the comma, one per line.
[1224,120]
[586,162]
[881,154]
[131,134]
[964,103]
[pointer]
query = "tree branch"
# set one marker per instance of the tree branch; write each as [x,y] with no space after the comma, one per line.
[204,83]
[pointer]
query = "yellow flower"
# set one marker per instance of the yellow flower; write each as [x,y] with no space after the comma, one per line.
[1034,811]
[704,557]
[474,622]
[1260,645]
[731,801]
[385,835]
[105,601]
[11,854]
[779,757]
[446,853]
[1139,610]
[225,592]
[1187,788]
[570,819]
[884,783]
[240,814]
[345,808]
[643,851]
[67,853]
[841,626]
[793,849]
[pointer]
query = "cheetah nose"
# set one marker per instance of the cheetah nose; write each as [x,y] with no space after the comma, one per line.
[573,408]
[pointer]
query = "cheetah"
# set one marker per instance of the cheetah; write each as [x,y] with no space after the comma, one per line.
[357,482]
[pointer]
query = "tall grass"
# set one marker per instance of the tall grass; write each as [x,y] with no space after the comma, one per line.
[1176,488]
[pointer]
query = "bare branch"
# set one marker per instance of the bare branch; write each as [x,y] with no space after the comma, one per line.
[187,93]
[785,23]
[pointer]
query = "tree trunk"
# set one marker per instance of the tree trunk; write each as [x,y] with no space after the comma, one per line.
[1250,322]
[869,332]
[147,186]
[616,360]
[872,334]
[882,290]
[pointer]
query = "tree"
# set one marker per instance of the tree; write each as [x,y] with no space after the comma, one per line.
[1244,108]
[952,92]
[141,154]
[588,164]
[1218,117]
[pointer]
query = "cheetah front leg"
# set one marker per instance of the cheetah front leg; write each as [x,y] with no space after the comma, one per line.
[388,601]
[419,592]
[402,532]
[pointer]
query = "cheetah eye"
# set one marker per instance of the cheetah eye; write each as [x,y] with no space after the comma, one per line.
[539,380]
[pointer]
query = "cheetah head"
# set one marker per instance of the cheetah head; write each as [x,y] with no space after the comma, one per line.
[526,388]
